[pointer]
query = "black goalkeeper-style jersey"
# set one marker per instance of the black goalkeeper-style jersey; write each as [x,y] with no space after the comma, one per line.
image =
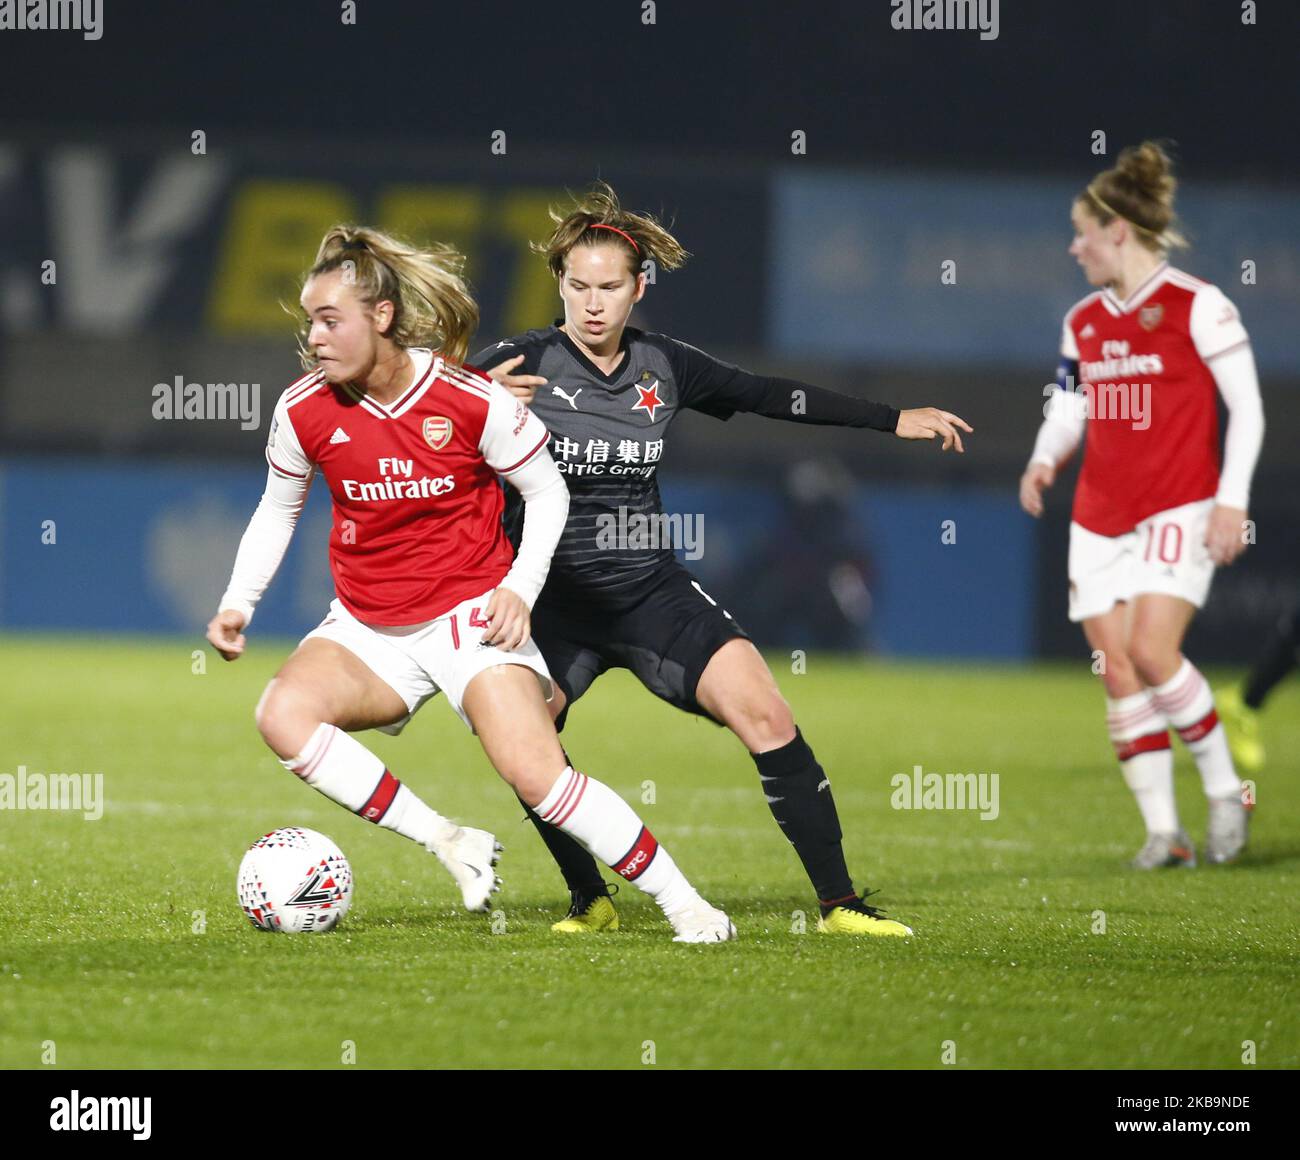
[609,436]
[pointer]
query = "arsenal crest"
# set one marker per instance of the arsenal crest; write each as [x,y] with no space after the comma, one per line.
[437,431]
[1149,316]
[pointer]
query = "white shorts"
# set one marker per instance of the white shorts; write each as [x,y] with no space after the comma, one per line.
[1165,553]
[418,660]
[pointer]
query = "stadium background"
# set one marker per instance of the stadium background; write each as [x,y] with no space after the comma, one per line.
[823,265]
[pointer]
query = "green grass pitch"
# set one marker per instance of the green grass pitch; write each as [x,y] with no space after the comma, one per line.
[121,941]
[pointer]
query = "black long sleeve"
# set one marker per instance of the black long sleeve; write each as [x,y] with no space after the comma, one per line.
[721,389]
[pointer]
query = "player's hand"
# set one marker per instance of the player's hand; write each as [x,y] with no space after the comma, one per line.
[932,423]
[509,622]
[1226,535]
[1037,477]
[224,634]
[521,386]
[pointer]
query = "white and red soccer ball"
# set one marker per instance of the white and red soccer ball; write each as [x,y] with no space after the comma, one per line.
[295,881]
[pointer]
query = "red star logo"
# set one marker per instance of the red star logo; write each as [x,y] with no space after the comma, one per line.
[649,400]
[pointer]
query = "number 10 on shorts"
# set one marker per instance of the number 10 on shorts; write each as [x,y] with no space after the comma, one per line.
[1168,544]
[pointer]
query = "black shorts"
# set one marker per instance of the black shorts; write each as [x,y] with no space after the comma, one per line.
[664,629]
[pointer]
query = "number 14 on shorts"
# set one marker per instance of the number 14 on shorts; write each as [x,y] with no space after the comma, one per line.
[476,620]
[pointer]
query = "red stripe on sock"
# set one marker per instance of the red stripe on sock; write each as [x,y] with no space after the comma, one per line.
[1147,744]
[581,780]
[1117,719]
[837,901]
[312,764]
[377,805]
[1183,695]
[569,786]
[1202,727]
[637,860]
[1172,707]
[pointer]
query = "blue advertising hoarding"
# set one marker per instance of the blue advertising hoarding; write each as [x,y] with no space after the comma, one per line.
[97,546]
[857,266]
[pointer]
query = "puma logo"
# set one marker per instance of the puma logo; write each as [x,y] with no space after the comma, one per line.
[572,400]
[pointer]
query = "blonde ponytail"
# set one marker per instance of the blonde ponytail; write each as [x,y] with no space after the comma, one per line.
[431,304]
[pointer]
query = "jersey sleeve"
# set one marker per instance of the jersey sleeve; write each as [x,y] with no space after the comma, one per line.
[265,542]
[1215,325]
[721,389]
[1235,376]
[546,507]
[284,451]
[1069,344]
[1065,411]
[512,434]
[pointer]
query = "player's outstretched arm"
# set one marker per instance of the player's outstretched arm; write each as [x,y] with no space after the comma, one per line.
[721,389]
[932,423]
[265,541]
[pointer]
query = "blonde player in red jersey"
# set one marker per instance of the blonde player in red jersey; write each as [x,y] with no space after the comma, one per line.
[1153,513]
[430,596]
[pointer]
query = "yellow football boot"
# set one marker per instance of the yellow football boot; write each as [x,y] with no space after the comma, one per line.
[1241,723]
[859,918]
[598,914]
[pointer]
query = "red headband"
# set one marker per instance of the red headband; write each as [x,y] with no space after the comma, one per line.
[601,226]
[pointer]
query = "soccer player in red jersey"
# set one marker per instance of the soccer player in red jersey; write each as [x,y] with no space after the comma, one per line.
[608,394]
[430,595]
[1141,360]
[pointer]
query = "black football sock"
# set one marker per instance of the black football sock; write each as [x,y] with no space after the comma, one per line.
[799,795]
[581,873]
[1279,659]
[580,870]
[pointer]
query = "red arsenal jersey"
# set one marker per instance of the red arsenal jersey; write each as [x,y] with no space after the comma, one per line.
[1153,427]
[417,506]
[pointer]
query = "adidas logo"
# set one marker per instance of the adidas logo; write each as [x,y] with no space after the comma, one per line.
[340,436]
[1087,331]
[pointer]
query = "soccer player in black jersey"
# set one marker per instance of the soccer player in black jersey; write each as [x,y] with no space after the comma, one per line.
[1239,707]
[608,394]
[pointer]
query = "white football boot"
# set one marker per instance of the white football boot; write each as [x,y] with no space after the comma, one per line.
[701,923]
[1165,850]
[1226,836]
[469,858]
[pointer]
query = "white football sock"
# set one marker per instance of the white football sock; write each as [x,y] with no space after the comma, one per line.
[1141,740]
[1185,699]
[347,772]
[610,830]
